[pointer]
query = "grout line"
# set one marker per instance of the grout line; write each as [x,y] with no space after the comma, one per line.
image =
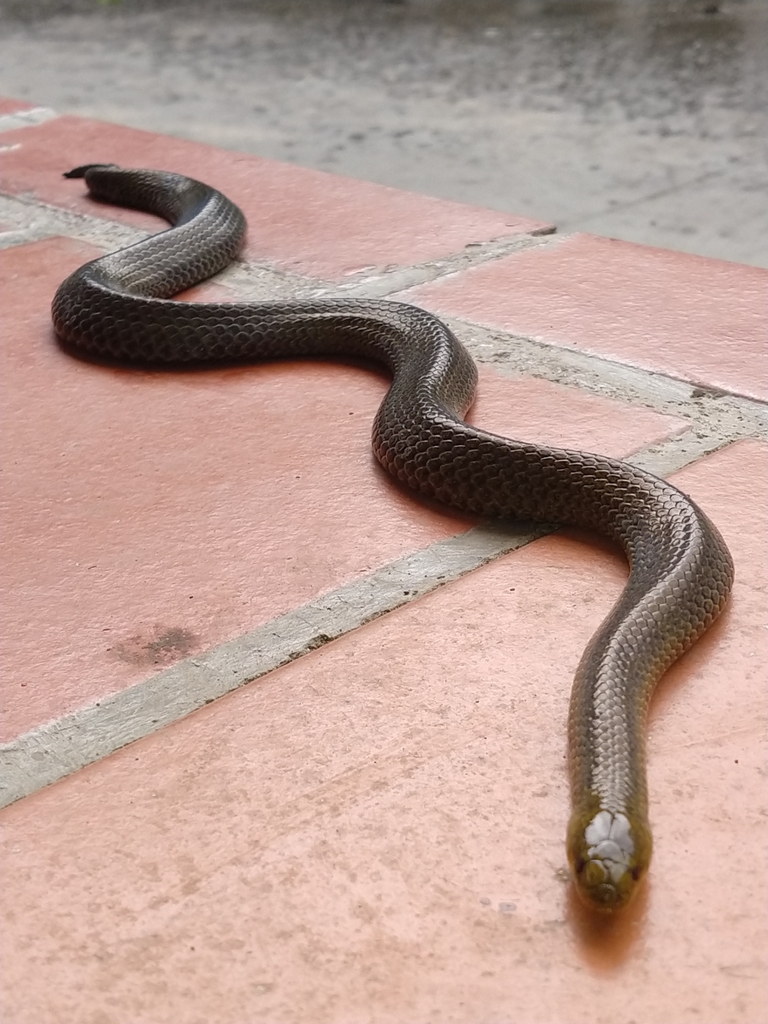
[53,220]
[675,453]
[735,415]
[59,747]
[25,119]
[384,283]
[21,236]
[45,221]
[731,414]
[716,418]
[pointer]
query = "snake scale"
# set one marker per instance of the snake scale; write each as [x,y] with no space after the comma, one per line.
[119,307]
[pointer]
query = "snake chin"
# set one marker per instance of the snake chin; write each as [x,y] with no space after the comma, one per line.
[608,856]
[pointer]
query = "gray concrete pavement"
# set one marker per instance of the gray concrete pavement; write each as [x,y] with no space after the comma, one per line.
[640,119]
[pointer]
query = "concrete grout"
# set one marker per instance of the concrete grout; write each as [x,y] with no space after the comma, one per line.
[515,354]
[57,748]
[385,283]
[25,119]
[45,221]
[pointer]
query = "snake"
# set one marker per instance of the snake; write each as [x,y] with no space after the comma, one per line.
[120,307]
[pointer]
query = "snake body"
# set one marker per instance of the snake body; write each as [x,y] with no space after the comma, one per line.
[119,307]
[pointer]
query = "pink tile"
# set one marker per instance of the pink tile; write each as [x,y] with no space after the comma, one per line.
[154,515]
[8,105]
[530,409]
[304,221]
[698,319]
[374,832]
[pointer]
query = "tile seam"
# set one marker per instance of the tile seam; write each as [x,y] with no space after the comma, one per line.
[25,119]
[516,354]
[675,453]
[387,283]
[59,747]
[49,221]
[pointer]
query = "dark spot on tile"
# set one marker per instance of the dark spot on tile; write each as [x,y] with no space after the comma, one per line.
[161,647]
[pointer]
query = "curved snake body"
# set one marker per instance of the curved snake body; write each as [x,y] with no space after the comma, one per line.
[681,572]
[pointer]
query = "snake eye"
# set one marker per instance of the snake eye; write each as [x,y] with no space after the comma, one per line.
[636,872]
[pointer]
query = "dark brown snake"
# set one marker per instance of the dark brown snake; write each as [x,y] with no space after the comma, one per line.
[681,572]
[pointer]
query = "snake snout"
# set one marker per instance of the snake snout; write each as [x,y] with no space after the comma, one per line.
[609,854]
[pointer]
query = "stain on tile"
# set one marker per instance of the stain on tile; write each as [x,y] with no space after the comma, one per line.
[163,647]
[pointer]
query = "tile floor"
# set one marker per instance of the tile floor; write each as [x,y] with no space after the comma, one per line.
[370,828]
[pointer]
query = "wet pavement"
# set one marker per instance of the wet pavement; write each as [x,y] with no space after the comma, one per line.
[636,119]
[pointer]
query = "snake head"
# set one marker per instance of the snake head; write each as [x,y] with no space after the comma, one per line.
[609,853]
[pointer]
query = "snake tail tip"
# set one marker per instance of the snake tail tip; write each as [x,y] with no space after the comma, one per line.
[80,172]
